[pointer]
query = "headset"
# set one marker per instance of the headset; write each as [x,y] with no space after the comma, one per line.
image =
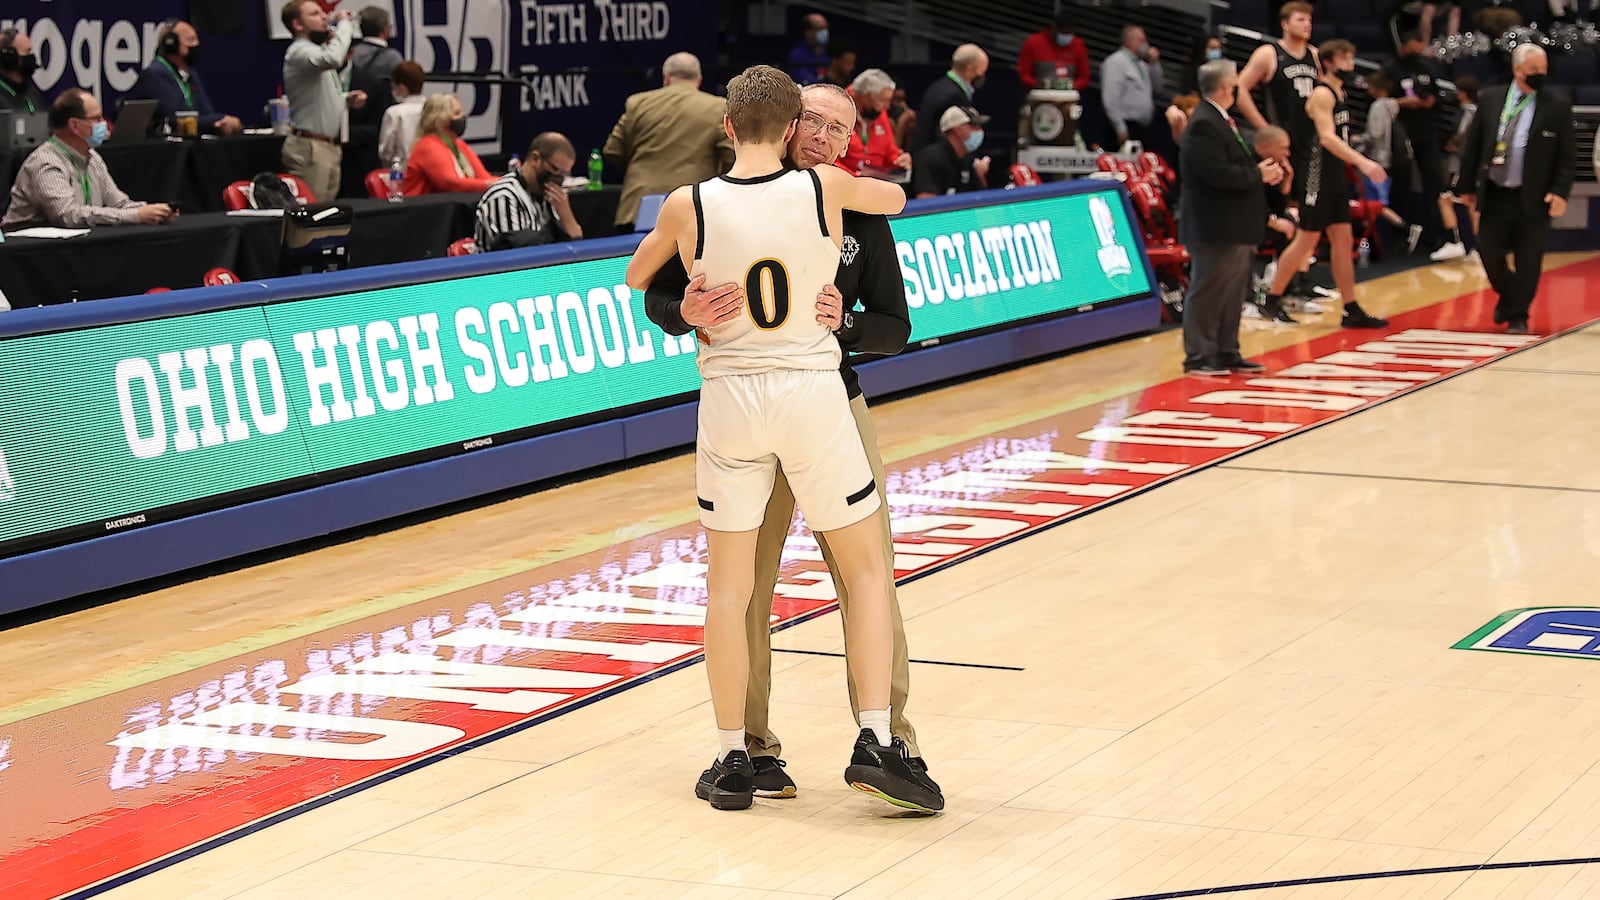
[9,58]
[167,36]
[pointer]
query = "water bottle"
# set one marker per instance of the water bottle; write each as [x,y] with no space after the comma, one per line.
[514,165]
[596,169]
[1364,253]
[397,175]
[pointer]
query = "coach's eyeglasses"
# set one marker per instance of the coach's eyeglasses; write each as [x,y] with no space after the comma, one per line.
[836,130]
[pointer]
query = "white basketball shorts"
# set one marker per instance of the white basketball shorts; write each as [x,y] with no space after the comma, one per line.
[800,418]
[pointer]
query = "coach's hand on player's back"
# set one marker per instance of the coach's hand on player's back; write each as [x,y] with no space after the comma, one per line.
[702,308]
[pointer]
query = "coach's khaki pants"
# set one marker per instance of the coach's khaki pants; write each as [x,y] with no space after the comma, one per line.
[317,164]
[758,621]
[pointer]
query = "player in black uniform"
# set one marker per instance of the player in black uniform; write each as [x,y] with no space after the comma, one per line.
[1285,71]
[1325,203]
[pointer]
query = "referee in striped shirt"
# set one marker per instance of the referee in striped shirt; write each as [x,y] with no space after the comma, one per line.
[528,206]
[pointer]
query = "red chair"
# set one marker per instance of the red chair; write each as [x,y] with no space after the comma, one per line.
[463,247]
[1168,258]
[1151,163]
[1024,176]
[377,182]
[1105,162]
[236,196]
[218,276]
[159,290]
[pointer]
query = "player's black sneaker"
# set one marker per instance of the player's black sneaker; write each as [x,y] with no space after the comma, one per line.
[1356,317]
[770,779]
[729,783]
[920,768]
[884,773]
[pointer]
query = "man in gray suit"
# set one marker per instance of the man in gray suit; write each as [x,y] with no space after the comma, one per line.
[1223,216]
[668,137]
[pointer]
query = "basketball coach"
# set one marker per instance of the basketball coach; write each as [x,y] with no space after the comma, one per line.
[1223,216]
[1517,166]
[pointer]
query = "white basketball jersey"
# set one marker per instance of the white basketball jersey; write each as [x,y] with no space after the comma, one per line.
[769,235]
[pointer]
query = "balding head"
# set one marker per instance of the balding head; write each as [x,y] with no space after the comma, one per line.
[969,61]
[681,67]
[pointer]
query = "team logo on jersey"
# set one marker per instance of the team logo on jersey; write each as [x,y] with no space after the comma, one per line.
[1113,256]
[1570,631]
[847,253]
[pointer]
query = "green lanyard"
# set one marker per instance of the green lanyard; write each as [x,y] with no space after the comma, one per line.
[13,92]
[965,89]
[1509,112]
[188,94]
[83,174]
[461,159]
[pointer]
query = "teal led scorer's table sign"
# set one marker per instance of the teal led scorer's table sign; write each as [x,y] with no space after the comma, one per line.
[107,427]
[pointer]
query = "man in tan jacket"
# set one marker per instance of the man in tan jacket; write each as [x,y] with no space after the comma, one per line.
[668,137]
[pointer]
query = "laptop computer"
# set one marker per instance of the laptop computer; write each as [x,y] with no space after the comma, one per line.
[23,130]
[133,122]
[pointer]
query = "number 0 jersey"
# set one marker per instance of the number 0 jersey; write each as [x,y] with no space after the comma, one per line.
[769,235]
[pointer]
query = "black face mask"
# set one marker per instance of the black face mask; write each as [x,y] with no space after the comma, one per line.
[459,126]
[192,56]
[977,82]
[870,114]
[319,37]
[1345,78]
[546,177]
[1535,81]
[23,65]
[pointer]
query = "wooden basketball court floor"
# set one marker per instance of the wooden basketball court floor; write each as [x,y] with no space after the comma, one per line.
[1240,677]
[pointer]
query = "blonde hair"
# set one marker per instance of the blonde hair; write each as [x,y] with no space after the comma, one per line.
[436,116]
[762,101]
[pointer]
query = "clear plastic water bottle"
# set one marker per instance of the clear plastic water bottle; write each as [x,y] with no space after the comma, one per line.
[397,175]
[514,164]
[597,167]
[1364,253]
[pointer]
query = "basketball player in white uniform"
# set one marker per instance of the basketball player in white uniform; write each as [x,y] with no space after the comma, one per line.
[771,392]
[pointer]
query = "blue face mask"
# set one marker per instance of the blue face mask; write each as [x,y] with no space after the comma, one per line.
[99,134]
[974,141]
[1214,53]
[1063,40]
[822,38]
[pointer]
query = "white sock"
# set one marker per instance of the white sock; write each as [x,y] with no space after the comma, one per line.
[729,739]
[878,721]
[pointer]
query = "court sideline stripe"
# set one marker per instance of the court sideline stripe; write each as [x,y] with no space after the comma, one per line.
[1364,876]
[1544,371]
[1415,478]
[925,662]
[212,843]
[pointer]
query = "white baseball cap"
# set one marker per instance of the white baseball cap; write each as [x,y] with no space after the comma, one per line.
[960,115]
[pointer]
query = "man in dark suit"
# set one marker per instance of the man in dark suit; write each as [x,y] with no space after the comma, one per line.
[1223,217]
[969,65]
[1517,167]
[371,62]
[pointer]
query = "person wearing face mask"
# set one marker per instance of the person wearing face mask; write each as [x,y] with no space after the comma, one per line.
[528,206]
[372,61]
[1325,195]
[171,81]
[1517,166]
[872,145]
[1055,53]
[441,162]
[318,101]
[1206,51]
[968,67]
[808,61]
[64,182]
[903,117]
[399,128]
[1128,80]
[1418,95]
[17,65]
[952,165]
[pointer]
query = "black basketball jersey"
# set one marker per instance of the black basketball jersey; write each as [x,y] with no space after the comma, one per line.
[1327,171]
[1286,95]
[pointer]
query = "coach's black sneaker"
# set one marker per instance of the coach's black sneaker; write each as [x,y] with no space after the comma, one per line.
[884,773]
[1356,317]
[729,783]
[770,779]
